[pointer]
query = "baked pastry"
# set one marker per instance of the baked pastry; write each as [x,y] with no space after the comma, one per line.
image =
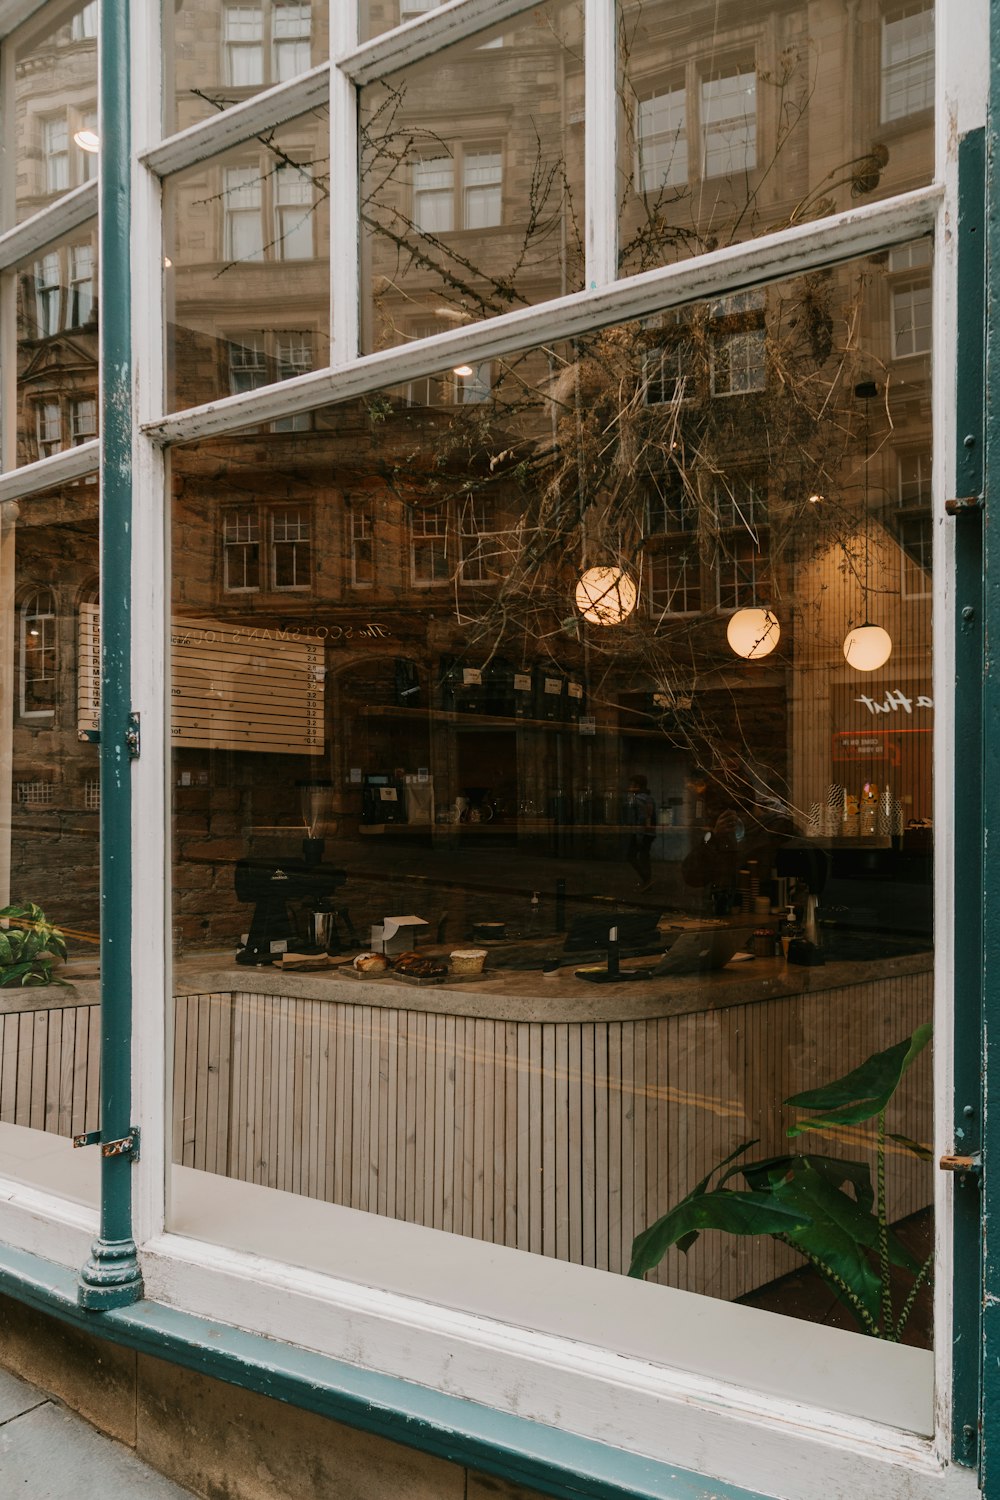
[419,966]
[371,963]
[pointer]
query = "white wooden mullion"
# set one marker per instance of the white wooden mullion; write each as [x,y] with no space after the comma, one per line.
[773,257]
[151,848]
[52,223]
[601,116]
[344,225]
[59,469]
[286,101]
[425,35]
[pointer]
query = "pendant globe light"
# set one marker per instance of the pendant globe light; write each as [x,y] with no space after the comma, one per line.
[867,647]
[753,633]
[606,596]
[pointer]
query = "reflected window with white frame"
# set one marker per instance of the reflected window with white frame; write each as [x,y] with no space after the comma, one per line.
[434,193]
[294,214]
[243,200]
[739,362]
[243,45]
[83,27]
[661,136]
[48,426]
[48,294]
[247,363]
[293,355]
[291,547]
[38,655]
[477,171]
[241,550]
[81,285]
[291,41]
[481,187]
[729,123]
[82,420]
[429,546]
[55,153]
[361,522]
[907,60]
[914,527]
[910,306]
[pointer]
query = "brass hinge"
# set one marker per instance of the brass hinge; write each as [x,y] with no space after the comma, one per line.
[964,1166]
[126,1145]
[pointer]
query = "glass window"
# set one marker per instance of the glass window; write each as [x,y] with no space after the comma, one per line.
[247,253]
[438,162]
[551,704]
[56,347]
[734,122]
[240,551]
[907,61]
[50,113]
[218,53]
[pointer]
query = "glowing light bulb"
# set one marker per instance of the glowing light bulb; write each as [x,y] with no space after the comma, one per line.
[867,648]
[753,633]
[606,596]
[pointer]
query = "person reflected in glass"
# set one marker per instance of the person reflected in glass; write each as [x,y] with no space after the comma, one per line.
[640,821]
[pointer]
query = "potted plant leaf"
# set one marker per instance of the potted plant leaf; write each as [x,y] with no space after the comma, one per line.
[825,1207]
[29,946]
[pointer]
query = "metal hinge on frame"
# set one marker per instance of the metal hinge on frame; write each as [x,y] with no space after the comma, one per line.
[963,1166]
[126,1145]
[963,506]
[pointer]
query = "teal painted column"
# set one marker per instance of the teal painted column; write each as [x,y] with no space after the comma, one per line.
[966,1125]
[111,1277]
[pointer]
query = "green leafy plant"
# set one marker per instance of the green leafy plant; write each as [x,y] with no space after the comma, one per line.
[29,946]
[825,1207]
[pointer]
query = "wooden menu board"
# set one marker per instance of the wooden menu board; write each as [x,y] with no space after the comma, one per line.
[233,686]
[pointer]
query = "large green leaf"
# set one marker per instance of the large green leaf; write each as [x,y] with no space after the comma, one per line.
[806,1188]
[734,1213]
[862,1093]
[834,1169]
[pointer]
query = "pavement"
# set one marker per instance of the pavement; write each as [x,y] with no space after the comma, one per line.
[49,1453]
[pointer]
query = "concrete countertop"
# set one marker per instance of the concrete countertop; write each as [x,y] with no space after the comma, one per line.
[519,995]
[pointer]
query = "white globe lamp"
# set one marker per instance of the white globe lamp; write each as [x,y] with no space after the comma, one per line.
[867,647]
[753,633]
[606,596]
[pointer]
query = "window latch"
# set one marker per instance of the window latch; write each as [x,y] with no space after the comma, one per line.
[963,1166]
[126,1145]
[962,506]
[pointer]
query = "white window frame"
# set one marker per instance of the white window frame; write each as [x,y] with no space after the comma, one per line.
[361,538]
[430,545]
[770,1443]
[662,154]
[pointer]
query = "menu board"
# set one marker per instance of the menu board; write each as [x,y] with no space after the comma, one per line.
[233,686]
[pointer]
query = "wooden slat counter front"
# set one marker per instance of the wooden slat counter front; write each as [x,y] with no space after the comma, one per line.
[550,1115]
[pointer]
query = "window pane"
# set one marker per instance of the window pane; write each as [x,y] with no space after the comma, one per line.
[49,816]
[501,149]
[247,265]
[56,348]
[218,53]
[502,697]
[53,99]
[735,122]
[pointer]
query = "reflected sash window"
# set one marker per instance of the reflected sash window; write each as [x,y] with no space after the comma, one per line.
[907,61]
[49,428]
[81,284]
[434,194]
[244,230]
[38,654]
[429,546]
[290,41]
[243,45]
[293,192]
[291,556]
[911,299]
[360,527]
[247,364]
[241,551]
[729,123]
[661,132]
[55,151]
[478,540]
[481,176]
[83,27]
[743,553]
[82,420]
